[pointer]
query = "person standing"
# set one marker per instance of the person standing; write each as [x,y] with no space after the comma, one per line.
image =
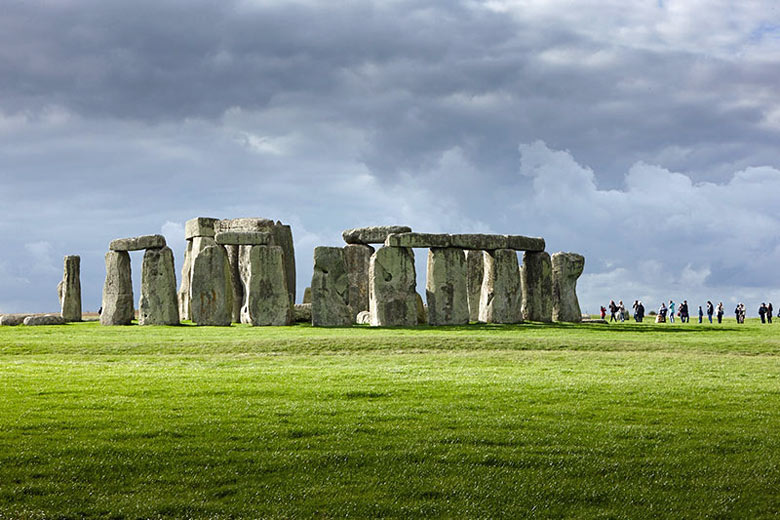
[671,311]
[603,312]
[720,312]
[612,310]
[762,312]
[621,311]
[640,311]
[710,310]
[701,314]
[661,313]
[769,311]
[684,315]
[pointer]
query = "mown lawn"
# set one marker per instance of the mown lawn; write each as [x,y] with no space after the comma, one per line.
[538,421]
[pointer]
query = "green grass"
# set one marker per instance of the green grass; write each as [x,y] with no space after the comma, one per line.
[540,421]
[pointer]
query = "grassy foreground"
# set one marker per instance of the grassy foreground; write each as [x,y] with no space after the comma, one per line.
[539,421]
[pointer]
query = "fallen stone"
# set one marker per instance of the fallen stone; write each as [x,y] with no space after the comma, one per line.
[282,237]
[243,224]
[536,277]
[117,290]
[566,268]
[70,297]
[475,268]
[307,295]
[372,235]
[199,227]
[244,238]
[137,243]
[521,243]
[302,312]
[266,300]
[363,318]
[330,289]
[445,288]
[211,290]
[12,320]
[235,281]
[501,294]
[183,294]
[418,240]
[478,241]
[158,304]
[392,295]
[595,320]
[357,258]
[48,319]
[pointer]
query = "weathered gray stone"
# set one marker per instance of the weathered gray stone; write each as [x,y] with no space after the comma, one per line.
[158,304]
[283,238]
[566,268]
[363,318]
[244,238]
[117,290]
[199,227]
[184,287]
[536,277]
[422,310]
[211,290]
[372,235]
[501,292]
[266,300]
[302,312]
[418,240]
[70,297]
[12,320]
[137,243]
[445,287]
[521,243]
[48,319]
[243,224]
[478,241]
[357,258]
[307,295]
[475,268]
[235,281]
[392,295]
[330,289]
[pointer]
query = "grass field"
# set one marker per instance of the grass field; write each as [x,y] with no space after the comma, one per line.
[537,421]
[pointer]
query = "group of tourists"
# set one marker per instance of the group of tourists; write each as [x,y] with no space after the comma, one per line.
[619,313]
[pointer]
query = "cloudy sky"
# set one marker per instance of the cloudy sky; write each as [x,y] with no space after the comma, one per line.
[644,135]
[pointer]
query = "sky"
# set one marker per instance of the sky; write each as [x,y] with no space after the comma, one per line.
[646,138]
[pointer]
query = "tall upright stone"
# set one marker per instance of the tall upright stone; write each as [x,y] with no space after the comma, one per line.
[536,277]
[283,238]
[184,287]
[158,304]
[330,289]
[212,290]
[70,297]
[566,268]
[117,307]
[266,299]
[475,269]
[357,258]
[445,288]
[235,282]
[501,292]
[392,287]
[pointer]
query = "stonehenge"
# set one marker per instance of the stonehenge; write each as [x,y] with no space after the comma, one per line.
[566,268]
[357,258]
[536,277]
[266,297]
[475,270]
[117,290]
[212,288]
[392,294]
[158,304]
[500,297]
[445,289]
[69,289]
[330,289]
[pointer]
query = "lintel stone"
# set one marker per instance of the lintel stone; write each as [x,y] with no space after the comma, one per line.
[372,234]
[137,243]
[199,227]
[244,238]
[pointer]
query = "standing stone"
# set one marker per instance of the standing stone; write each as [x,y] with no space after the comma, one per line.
[117,290]
[70,299]
[266,300]
[184,288]
[357,258]
[330,289]
[422,310]
[475,268]
[500,298]
[536,276]
[566,268]
[445,288]
[392,294]
[158,305]
[235,282]
[283,238]
[307,295]
[212,290]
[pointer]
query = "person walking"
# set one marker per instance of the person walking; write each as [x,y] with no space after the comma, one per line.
[701,314]
[710,310]
[640,311]
[603,312]
[622,311]
[684,315]
[671,311]
[612,311]
[762,312]
[720,312]
[769,311]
